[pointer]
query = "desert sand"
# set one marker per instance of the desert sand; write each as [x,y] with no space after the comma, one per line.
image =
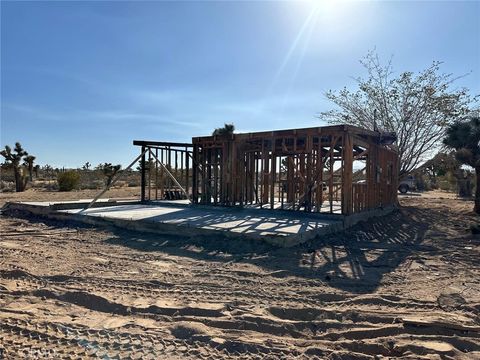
[406,285]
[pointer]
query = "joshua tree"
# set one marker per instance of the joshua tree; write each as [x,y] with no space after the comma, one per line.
[28,162]
[36,169]
[108,171]
[86,166]
[227,129]
[464,137]
[48,170]
[14,158]
[149,165]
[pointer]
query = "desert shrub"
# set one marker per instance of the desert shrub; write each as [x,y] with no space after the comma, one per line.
[91,179]
[7,175]
[51,186]
[92,184]
[68,180]
[99,184]
[7,186]
[37,185]
[447,182]
[109,171]
[120,184]
[445,185]
[422,183]
[133,183]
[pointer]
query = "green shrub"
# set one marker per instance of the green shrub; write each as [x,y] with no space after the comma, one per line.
[67,181]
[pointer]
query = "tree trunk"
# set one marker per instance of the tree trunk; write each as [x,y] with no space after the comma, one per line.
[19,185]
[477,191]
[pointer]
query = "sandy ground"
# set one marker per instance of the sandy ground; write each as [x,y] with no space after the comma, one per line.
[403,286]
[44,195]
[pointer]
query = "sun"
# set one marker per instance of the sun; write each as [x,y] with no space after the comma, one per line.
[332,9]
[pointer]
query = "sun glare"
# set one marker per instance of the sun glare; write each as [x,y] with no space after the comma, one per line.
[331,20]
[331,9]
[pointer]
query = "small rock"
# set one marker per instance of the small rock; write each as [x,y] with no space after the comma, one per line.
[450,301]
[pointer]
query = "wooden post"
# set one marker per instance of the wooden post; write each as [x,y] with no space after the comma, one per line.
[273,171]
[257,170]
[142,174]
[208,180]
[320,176]
[156,174]
[308,170]
[162,177]
[330,183]
[221,174]
[195,175]
[187,166]
[262,181]
[182,174]
[291,179]
[215,176]
[149,175]
[347,194]
[203,180]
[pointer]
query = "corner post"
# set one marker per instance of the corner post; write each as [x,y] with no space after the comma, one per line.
[142,171]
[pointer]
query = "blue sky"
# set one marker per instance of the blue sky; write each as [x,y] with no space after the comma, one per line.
[81,80]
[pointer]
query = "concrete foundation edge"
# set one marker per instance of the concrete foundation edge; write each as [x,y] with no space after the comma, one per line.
[52,212]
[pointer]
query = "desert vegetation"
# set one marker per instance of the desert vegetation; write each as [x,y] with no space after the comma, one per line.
[68,180]
[13,161]
[47,178]
[464,137]
[227,129]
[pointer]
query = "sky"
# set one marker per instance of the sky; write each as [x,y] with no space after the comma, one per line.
[81,80]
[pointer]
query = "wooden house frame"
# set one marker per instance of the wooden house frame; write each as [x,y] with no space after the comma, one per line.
[337,169]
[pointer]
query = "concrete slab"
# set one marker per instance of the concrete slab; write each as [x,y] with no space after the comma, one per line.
[238,221]
[282,228]
[279,228]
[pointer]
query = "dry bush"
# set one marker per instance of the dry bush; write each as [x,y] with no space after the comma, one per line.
[7,186]
[68,180]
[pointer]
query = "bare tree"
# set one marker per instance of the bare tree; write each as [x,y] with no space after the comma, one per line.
[417,107]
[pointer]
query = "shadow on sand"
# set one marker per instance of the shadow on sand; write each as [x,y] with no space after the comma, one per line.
[355,260]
